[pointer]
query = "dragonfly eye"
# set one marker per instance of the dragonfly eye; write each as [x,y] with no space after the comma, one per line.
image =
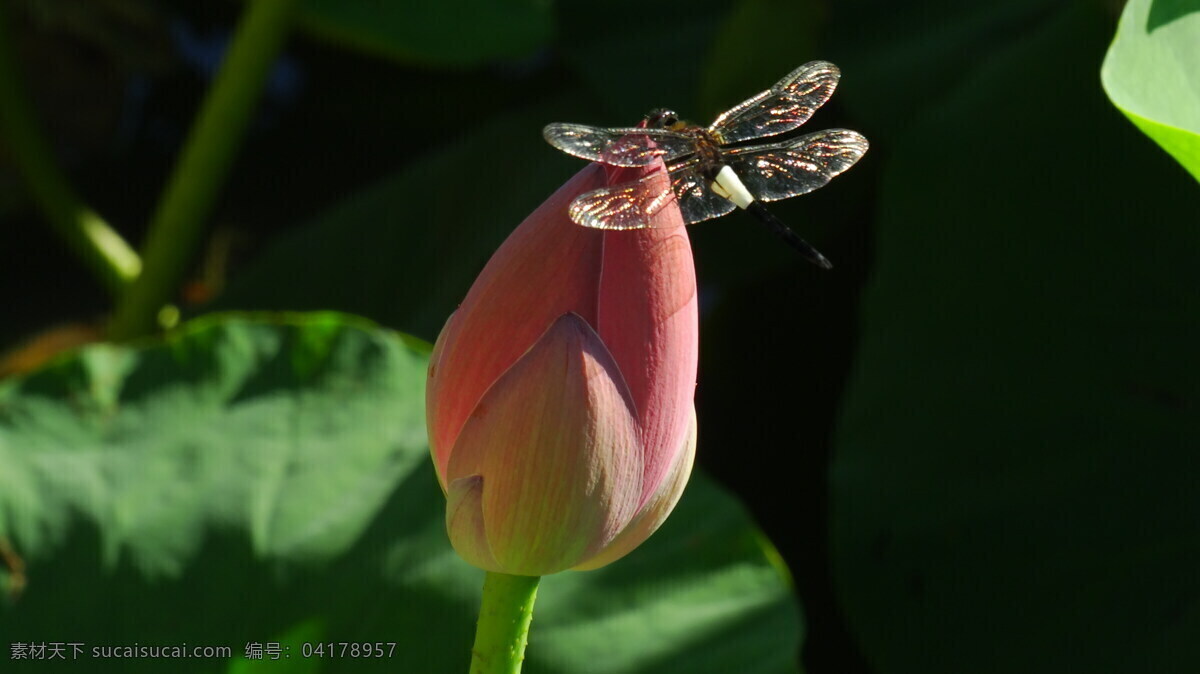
[661,118]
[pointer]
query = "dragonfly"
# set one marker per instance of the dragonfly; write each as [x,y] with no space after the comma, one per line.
[711,171]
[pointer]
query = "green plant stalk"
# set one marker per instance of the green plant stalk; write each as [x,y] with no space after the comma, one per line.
[503,627]
[101,248]
[178,222]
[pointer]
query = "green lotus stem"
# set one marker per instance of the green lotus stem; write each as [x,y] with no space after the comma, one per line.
[178,223]
[100,247]
[503,626]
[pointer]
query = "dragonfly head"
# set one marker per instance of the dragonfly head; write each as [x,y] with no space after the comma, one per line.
[661,118]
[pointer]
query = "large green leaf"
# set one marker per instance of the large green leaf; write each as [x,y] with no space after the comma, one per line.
[1015,484]
[256,479]
[429,32]
[1152,73]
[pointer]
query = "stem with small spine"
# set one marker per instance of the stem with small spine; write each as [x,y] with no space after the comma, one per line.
[503,627]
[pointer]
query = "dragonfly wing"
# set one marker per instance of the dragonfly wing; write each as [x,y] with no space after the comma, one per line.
[630,205]
[781,108]
[697,201]
[782,170]
[633,205]
[631,147]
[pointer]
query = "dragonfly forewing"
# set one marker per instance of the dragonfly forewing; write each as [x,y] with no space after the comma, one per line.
[782,108]
[629,147]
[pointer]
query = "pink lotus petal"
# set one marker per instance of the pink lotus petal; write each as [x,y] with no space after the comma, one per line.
[555,444]
[655,511]
[648,318]
[559,398]
[546,268]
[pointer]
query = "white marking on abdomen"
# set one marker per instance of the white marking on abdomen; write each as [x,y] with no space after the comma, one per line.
[730,186]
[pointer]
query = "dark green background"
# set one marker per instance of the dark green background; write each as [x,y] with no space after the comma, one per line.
[974,441]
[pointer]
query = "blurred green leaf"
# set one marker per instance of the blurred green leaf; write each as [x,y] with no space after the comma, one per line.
[1014,488]
[265,478]
[1152,73]
[433,33]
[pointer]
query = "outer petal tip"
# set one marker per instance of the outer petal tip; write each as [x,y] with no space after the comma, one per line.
[464,522]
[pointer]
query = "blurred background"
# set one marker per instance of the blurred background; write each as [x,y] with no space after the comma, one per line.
[974,442]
